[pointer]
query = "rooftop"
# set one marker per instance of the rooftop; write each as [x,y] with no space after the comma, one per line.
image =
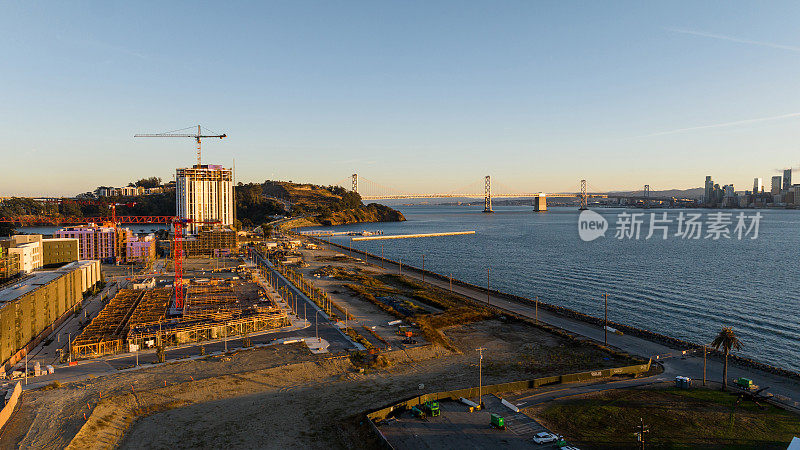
[35,280]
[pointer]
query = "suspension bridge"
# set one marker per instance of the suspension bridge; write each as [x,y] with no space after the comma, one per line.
[370,190]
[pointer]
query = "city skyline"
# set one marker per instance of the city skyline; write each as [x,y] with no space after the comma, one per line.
[419,97]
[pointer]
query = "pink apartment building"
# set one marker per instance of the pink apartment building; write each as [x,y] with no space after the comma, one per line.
[141,249]
[96,241]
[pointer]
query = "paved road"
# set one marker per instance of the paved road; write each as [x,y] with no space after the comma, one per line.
[691,366]
[320,321]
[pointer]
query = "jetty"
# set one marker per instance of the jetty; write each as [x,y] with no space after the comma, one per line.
[409,236]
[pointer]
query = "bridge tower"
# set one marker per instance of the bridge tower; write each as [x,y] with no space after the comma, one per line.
[540,202]
[355,183]
[584,202]
[646,196]
[487,191]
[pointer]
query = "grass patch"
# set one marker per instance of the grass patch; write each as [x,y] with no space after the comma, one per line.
[677,419]
[54,385]
[353,334]
[365,360]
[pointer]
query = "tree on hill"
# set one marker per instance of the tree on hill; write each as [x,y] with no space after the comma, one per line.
[148,183]
[728,340]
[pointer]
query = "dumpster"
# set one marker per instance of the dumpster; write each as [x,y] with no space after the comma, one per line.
[497,422]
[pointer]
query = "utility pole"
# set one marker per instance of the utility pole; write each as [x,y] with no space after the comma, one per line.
[643,429]
[423,267]
[26,367]
[400,265]
[451,281]
[480,376]
[226,337]
[381,256]
[605,322]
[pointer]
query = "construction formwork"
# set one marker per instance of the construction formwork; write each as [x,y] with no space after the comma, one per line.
[106,333]
[214,310]
[180,332]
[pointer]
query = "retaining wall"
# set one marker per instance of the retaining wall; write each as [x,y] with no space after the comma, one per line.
[522,385]
[11,403]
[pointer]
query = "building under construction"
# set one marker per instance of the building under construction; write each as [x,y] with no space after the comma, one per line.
[214,309]
[210,241]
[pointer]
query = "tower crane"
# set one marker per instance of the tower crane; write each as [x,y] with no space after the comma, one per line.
[197,137]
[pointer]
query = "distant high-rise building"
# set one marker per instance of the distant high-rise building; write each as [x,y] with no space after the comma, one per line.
[709,192]
[776,185]
[787,179]
[758,186]
[204,193]
[728,191]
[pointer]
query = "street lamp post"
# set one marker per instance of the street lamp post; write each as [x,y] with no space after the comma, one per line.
[480,376]
[423,267]
[316,326]
[487,285]
[605,321]
[704,364]
[381,256]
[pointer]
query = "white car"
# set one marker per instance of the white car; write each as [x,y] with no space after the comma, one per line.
[544,437]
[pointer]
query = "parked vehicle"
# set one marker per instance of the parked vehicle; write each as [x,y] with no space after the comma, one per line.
[418,413]
[745,384]
[431,408]
[544,437]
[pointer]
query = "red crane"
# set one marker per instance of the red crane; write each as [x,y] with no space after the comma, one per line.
[177,255]
[197,137]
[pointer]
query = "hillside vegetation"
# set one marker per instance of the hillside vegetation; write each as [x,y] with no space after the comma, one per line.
[328,205]
[256,204]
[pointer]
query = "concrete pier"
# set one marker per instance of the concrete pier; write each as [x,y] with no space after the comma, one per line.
[408,236]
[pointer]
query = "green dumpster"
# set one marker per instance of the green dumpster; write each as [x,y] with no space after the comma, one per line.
[498,422]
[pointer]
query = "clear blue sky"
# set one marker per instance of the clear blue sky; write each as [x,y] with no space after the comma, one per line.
[420,96]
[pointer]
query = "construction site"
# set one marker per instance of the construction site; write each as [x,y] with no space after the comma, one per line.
[214,309]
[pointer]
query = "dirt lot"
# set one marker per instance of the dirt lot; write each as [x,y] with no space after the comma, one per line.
[697,418]
[50,418]
[283,396]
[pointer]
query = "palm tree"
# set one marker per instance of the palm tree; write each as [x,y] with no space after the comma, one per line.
[728,340]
